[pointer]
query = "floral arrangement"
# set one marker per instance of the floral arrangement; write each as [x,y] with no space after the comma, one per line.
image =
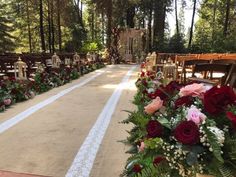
[13,91]
[181,130]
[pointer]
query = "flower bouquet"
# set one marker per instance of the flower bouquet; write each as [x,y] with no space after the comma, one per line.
[181,130]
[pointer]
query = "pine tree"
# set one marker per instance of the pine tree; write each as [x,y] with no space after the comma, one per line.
[7,43]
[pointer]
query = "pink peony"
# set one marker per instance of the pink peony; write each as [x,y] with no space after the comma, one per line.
[7,102]
[155,105]
[195,115]
[194,90]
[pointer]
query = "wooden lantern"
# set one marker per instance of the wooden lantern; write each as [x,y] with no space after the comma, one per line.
[20,69]
[56,62]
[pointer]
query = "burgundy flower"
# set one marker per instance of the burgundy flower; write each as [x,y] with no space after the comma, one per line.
[154,129]
[142,74]
[137,168]
[158,93]
[145,92]
[14,91]
[186,100]
[144,82]
[187,132]
[12,79]
[217,99]
[158,160]
[172,87]
[152,77]
[232,117]
[149,73]
[151,95]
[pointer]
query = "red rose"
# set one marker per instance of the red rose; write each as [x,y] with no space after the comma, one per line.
[152,95]
[137,168]
[142,74]
[217,99]
[158,93]
[172,87]
[145,92]
[152,77]
[232,117]
[185,100]
[144,82]
[154,129]
[158,160]
[149,73]
[187,132]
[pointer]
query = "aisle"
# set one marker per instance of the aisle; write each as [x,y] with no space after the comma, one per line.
[46,142]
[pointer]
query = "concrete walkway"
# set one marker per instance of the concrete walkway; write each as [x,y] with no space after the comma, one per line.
[47,141]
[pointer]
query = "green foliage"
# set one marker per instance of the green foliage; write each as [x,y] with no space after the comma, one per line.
[90,46]
[176,44]
[7,39]
[214,144]
[209,32]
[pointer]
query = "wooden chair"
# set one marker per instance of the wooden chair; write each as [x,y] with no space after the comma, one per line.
[231,78]
[188,67]
[209,69]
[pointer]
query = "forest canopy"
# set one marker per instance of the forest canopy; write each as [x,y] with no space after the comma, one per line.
[83,25]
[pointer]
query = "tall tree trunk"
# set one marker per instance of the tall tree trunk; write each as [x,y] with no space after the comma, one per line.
[213,23]
[95,25]
[103,28]
[49,27]
[52,26]
[28,24]
[109,23]
[227,12]
[150,27]
[130,17]
[59,24]
[92,25]
[41,26]
[176,17]
[192,24]
[159,24]
[81,9]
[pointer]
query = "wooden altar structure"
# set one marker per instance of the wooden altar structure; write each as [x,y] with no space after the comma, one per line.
[132,44]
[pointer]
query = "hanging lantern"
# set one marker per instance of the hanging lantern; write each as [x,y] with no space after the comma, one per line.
[20,69]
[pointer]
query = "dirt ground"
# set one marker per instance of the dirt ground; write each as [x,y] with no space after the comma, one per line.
[46,142]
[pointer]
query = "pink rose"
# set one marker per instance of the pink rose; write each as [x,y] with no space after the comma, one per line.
[195,115]
[7,102]
[155,105]
[141,147]
[194,90]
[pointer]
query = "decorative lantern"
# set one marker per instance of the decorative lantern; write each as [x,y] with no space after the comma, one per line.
[40,67]
[153,58]
[89,57]
[20,69]
[67,61]
[76,58]
[56,61]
